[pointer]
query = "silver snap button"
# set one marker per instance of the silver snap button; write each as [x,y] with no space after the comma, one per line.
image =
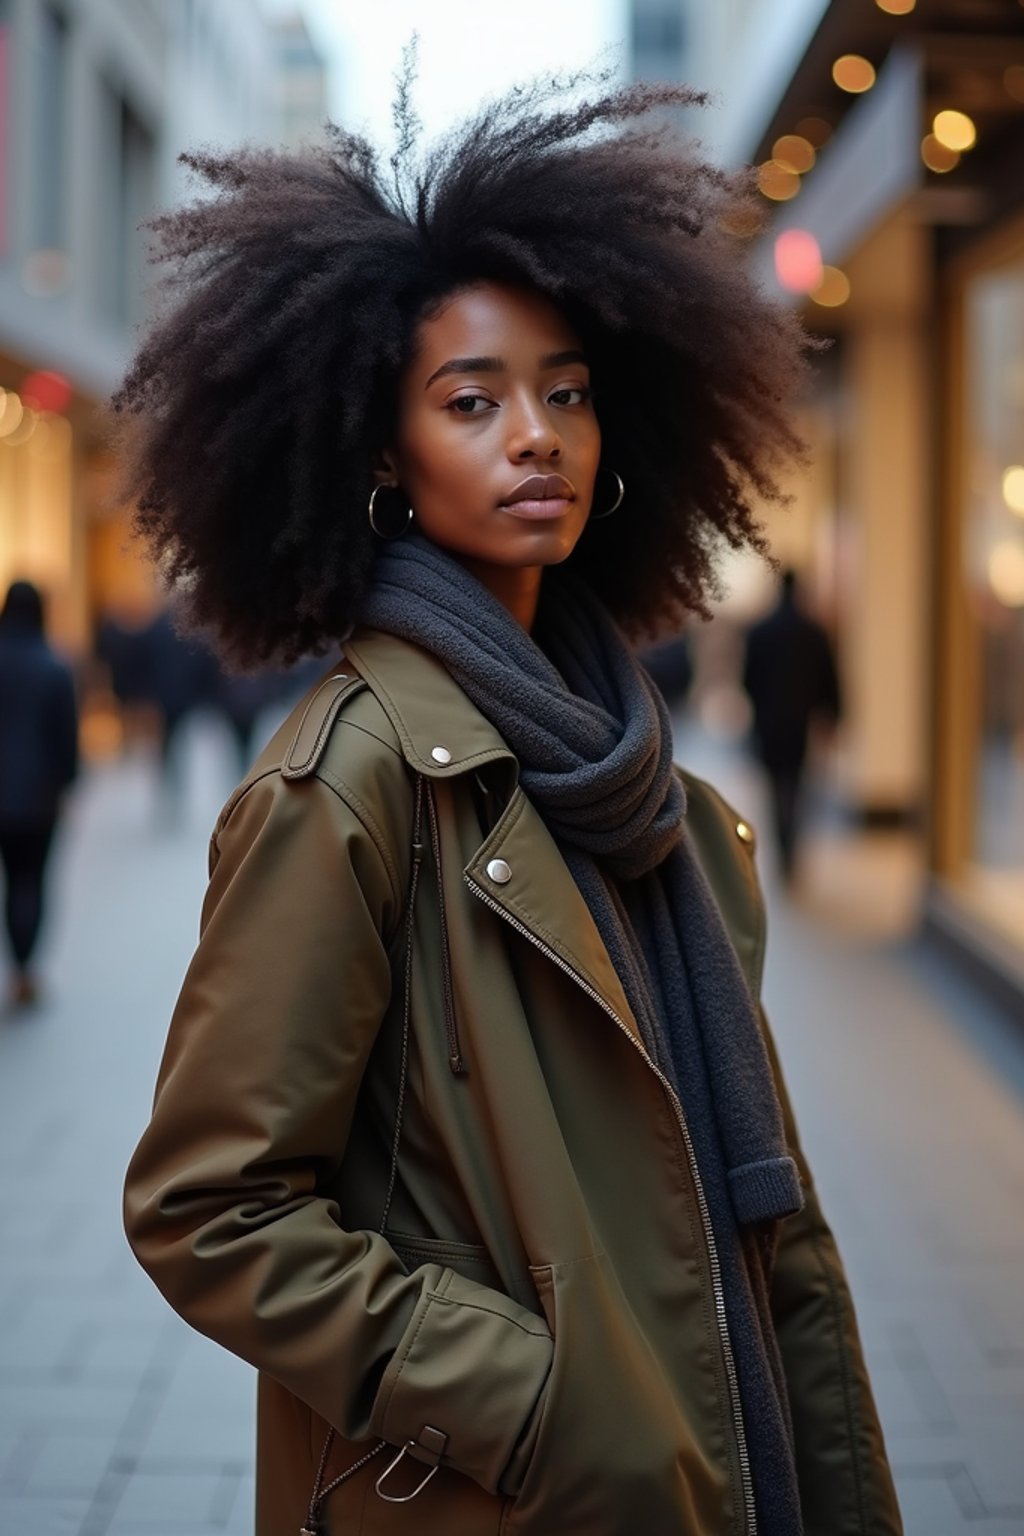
[441,755]
[499,871]
[744,832]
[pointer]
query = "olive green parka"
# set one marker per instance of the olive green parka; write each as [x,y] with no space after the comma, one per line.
[420,1171]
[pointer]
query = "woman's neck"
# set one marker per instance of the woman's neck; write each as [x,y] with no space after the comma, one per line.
[516,587]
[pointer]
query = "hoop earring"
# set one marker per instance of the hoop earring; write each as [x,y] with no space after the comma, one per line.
[616,504]
[373,506]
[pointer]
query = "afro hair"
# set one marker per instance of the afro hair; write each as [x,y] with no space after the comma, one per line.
[256,405]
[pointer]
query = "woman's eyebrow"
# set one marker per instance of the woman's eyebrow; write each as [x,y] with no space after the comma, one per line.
[497,364]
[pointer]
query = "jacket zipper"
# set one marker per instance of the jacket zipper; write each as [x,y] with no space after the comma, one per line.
[456,1060]
[705,1215]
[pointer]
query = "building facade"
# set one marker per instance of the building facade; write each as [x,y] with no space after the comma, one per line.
[97,100]
[889,141]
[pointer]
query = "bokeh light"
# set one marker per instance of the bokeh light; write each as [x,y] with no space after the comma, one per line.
[833,290]
[794,152]
[777,181]
[11,412]
[955,130]
[46,391]
[798,264]
[816,130]
[1013,488]
[16,435]
[936,156]
[1006,572]
[853,73]
[896,7]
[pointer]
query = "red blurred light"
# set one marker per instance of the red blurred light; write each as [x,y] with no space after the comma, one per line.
[45,391]
[798,264]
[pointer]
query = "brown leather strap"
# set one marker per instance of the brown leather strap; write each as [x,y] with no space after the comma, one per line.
[317,721]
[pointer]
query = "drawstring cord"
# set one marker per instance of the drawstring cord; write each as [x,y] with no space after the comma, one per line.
[455,1061]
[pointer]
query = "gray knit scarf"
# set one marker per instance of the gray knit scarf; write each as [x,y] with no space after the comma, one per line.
[593,740]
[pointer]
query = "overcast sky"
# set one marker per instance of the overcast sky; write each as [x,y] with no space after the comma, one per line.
[469,49]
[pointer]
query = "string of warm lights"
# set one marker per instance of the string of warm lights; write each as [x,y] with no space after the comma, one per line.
[800,267]
[953,133]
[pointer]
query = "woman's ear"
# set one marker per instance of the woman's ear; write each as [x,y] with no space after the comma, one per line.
[385,467]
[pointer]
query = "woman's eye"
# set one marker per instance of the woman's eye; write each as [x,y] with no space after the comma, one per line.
[476,405]
[463,404]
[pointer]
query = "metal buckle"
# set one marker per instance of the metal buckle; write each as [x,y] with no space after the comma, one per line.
[401,1498]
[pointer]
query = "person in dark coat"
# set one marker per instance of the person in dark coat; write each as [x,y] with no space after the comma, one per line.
[670,664]
[38,760]
[790,676]
[240,699]
[182,676]
[121,646]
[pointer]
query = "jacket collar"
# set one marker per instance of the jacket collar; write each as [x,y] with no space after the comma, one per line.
[441,731]
[429,710]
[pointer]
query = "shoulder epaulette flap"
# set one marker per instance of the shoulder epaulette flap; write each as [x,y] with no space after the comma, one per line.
[317,722]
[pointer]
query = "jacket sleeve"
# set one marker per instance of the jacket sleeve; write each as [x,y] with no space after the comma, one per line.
[846,1487]
[275,1022]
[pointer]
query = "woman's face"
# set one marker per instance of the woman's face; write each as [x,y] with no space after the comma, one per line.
[497,394]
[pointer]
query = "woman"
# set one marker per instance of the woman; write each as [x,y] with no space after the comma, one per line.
[38,761]
[468,1133]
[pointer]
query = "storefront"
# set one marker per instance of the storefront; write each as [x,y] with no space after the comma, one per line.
[60,524]
[912,203]
[978,821]
[36,500]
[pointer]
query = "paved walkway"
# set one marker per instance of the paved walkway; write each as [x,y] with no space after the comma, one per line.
[116,1420]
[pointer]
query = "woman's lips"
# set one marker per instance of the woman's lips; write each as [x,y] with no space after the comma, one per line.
[539,511]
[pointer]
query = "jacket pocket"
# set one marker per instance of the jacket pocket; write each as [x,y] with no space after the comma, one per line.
[609,1453]
[471,1260]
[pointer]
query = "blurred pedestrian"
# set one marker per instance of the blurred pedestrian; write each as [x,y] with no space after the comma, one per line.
[790,675]
[120,644]
[240,699]
[670,664]
[38,761]
[182,675]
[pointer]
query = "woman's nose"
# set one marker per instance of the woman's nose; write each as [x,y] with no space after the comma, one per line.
[533,434]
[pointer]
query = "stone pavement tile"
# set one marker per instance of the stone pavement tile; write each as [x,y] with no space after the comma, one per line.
[63,1462]
[62,1404]
[42,1517]
[926,1503]
[906,1407]
[977,1506]
[172,1494]
[190,1428]
[995,1453]
[118,1299]
[56,1342]
[211,1401]
[240,1521]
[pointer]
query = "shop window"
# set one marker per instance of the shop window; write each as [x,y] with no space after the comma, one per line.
[49,182]
[993,565]
[130,148]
